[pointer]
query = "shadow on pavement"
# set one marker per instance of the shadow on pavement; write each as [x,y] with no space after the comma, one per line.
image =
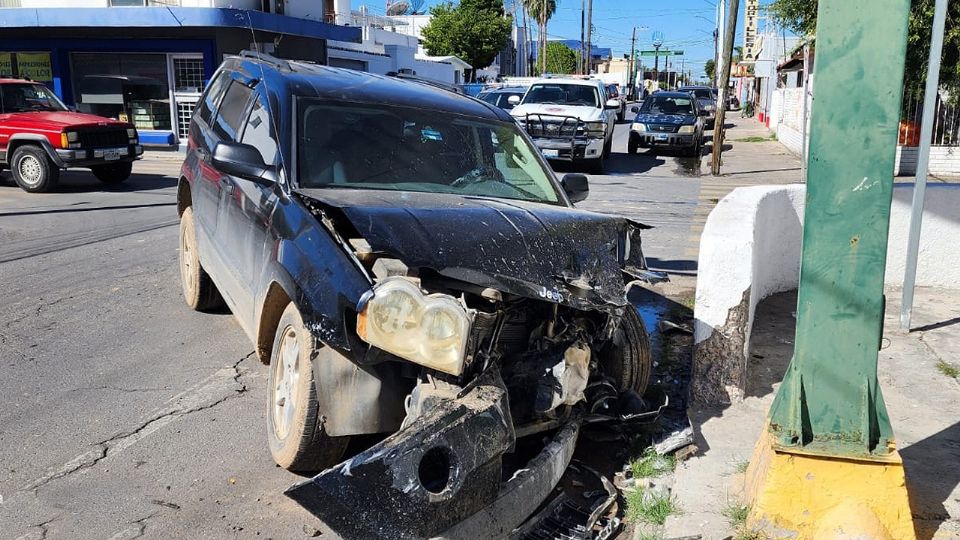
[83,182]
[931,478]
[73,209]
[672,266]
[617,164]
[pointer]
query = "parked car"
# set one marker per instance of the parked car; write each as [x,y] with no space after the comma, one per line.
[442,289]
[707,101]
[569,120]
[668,120]
[500,97]
[613,92]
[40,136]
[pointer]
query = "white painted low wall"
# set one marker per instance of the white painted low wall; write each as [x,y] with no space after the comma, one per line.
[750,249]
[944,161]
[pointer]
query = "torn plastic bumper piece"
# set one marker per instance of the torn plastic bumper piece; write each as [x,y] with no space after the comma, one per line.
[439,476]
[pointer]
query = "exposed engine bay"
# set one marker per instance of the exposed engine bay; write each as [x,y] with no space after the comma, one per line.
[510,355]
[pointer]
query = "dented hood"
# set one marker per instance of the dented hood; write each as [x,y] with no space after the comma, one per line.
[557,253]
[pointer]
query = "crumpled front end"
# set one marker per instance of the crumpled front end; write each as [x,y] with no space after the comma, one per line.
[442,474]
[509,345]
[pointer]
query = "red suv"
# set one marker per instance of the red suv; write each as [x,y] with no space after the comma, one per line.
[39,136]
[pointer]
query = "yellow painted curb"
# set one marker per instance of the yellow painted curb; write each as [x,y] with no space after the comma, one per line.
[806,497]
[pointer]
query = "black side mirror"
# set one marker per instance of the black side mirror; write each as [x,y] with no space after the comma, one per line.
[575,186]
[243,161]
[634,109]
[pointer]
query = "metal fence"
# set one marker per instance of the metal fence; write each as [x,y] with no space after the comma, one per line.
[946,121]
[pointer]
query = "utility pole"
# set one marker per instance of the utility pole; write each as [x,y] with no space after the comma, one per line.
[580,63]
[588,58]
[632,64]
[923,160]
[724,82]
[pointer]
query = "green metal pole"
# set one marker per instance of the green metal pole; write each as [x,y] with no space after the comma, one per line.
[830,401]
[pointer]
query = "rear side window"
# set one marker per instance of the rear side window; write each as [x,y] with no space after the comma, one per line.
[230,113]
[214,92]
[258,133]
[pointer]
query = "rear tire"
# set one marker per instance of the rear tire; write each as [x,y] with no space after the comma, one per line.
[295,430]
[198,289]
[626,358]
[33,170]
[113,173]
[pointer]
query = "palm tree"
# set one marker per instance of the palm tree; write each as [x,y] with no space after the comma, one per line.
[541,11]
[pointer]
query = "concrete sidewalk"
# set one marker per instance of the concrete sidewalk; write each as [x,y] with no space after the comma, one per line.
[922,394]
[751,156]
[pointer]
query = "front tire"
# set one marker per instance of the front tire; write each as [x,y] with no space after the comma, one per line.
[295,430]
[198,289]
[626,358]
[632,146]
[33,170]
[113,173]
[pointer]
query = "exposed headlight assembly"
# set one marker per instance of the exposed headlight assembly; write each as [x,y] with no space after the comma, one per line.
[427,330]
[686,129]
[639,127]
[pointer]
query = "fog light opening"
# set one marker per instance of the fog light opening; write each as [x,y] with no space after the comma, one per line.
[435,470]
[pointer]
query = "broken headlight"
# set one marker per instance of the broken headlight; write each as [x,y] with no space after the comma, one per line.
[427,330]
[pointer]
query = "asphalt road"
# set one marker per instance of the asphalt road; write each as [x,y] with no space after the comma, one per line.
[122,413]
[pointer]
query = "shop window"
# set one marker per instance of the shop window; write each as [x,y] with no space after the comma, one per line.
[258,134]
[230,114]
[34,66]
[188,75]
[129,87]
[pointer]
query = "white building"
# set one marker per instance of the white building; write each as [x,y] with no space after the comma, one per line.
[392,44]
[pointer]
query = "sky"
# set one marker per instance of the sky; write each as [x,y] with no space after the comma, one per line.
[685,24]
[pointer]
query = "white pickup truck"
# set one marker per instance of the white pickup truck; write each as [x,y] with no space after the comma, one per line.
[569,119]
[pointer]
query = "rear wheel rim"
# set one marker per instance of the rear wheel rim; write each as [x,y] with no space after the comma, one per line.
[188,266]
[30,169]
[286,384]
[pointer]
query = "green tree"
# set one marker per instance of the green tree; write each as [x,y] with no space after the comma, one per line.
[474,30]
[800,16]
[710,69]
[560,58]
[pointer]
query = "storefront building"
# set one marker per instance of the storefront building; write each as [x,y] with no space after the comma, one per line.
[148,65]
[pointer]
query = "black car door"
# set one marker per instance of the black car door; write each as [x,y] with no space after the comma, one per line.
[246,206]
[206,192]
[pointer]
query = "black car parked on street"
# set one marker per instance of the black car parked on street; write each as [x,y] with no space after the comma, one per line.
[408,264]
[672,120]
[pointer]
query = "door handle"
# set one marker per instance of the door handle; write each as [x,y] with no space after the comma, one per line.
[227,186]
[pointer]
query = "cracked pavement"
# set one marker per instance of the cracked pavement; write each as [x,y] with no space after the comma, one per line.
[123,414]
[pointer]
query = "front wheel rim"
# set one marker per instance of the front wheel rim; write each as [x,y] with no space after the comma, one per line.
[285,386]
[30,169]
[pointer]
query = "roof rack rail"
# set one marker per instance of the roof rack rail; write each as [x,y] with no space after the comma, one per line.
[423,80]
[264,57]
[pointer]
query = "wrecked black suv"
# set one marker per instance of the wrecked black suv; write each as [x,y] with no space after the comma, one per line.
[407,263]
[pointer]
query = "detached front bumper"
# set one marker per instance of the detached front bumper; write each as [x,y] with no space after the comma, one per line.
[441,476]
[65,158]
[569,150]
